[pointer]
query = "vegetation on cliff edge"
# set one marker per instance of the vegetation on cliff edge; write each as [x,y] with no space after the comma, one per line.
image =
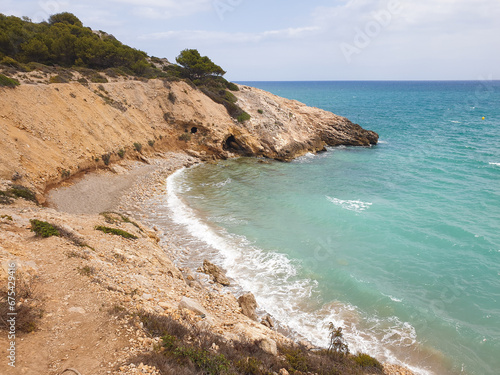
[187,349]
[63,42]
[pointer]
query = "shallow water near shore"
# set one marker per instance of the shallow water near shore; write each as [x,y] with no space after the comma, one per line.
[397,243]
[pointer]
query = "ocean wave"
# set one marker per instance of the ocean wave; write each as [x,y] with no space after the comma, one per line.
[307,158]
[496,164]
[218,184]
[227,220]
[392,298]
[351,205]
[281,291]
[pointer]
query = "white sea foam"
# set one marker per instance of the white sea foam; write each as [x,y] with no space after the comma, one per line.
[393,298]
[218,184]
[227,220]
[351,205]
[497,164]
[307,158]
[276,283]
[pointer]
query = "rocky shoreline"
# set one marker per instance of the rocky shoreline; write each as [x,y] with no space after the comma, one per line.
[89,291]
[136,202]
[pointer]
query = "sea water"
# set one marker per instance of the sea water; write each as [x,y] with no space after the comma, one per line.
[399,243]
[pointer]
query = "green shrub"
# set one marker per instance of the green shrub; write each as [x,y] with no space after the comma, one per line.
[250,366]
[137,146]
[186,137]
[114,218]
[83,81]
[207,362]
[98,78]
[365,361]
[65,173]
[9,61]
[229,96]
[204,360]
[5,198]
[58,79]
[243,117]
[233,87]
[8,82]
[19,191]
[172,97]
[260,111]
[43,229]
[116,232]
[297,359]
[151,143]
[106,158]
[121,153]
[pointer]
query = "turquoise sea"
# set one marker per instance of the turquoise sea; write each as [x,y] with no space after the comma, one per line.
[398,243]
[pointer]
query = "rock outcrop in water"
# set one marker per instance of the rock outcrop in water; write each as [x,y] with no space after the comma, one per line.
[217,274]
[51,132]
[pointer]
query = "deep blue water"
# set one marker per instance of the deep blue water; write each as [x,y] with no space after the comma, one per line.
[398,243]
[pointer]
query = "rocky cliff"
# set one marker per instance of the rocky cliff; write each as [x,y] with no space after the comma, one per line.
[51,132]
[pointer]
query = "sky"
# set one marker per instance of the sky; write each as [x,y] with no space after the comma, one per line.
[292,40]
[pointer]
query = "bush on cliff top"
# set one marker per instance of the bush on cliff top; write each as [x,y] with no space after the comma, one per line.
[8,82]
[65,42]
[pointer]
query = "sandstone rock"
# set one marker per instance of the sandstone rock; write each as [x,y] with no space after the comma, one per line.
[257,335]
[306,344]
[283,371]
[217,274]
[248,305]
[269,346]
[165,305]
[78,310]
[189,304]
[268,321]
[118,169]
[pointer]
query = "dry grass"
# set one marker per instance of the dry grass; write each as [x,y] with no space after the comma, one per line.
[28,305]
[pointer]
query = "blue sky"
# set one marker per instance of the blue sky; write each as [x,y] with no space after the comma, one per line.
[303,40]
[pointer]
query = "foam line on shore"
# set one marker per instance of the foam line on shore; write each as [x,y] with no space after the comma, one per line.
[275,281]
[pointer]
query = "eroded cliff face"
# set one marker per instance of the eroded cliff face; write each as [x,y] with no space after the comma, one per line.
[285,129]
[50,132]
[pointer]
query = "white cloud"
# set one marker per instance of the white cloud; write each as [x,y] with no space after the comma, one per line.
[226,37]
